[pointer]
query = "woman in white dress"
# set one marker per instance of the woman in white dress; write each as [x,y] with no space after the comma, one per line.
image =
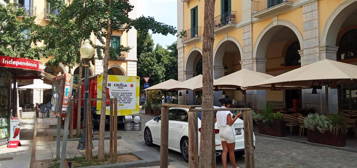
[225,120]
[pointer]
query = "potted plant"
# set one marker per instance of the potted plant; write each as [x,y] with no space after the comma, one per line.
[326,129]
[270,122]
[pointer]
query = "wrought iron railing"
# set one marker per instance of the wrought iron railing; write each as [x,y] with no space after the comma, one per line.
[225,19]
[191,33]
[260,5]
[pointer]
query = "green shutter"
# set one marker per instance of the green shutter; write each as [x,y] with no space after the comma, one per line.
[115,45]
[194,21]
[229,7]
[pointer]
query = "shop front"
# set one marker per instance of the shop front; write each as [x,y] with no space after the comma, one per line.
[11,71]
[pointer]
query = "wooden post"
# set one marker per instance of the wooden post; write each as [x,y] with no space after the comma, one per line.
[248,139]
[115,150]
[193,140]
[164,137]
[111,143]
[71,121]
[59,111]
[89,130]
[79,91]
[65,135]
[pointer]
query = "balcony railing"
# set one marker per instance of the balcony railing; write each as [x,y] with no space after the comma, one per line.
[192,34]
[263,8]
[229,18]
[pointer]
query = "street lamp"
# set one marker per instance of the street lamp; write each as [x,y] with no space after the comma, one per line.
[86,53]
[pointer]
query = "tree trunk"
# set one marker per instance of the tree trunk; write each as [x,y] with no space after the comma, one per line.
[104,86]
[207,154]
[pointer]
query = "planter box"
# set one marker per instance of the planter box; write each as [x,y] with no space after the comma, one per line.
[275,128]
[326,138]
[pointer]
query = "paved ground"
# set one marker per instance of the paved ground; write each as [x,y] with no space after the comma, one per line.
[271,152]
[19,157]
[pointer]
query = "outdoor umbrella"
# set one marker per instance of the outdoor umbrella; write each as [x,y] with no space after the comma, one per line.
[325,72]
[241,80]
[163,85]
[38,84]
[194,83]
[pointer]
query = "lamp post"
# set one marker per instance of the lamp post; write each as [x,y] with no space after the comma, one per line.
[86,52]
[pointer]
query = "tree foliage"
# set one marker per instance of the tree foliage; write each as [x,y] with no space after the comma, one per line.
[18,33]
[156,62]
[83,18]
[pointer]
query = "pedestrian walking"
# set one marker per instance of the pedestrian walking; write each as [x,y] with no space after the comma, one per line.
[225,120]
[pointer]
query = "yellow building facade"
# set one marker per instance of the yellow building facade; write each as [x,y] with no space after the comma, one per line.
[272,36]
[125,65]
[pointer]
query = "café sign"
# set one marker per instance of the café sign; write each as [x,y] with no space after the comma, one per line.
[21,63]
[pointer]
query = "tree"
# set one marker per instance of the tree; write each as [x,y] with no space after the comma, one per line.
[207,154]
[99,18]
[18,33]
[145,43]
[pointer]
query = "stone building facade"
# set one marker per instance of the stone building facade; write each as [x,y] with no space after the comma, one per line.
[272,36]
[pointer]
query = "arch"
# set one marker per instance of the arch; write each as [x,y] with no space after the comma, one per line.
[271,27]
[231,39]
[116,70]
[191,63]
[223,63]
[335,21]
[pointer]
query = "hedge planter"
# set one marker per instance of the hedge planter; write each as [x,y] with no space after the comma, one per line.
[274,128]
[326,138]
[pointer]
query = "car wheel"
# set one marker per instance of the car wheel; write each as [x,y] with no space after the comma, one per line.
[184,148]
[147,136]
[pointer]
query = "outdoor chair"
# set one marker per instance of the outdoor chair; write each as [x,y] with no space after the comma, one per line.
[291,121]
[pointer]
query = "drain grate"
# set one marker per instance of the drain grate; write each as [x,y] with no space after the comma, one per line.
[6,158]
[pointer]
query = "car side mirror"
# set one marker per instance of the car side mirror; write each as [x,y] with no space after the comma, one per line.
[157,118]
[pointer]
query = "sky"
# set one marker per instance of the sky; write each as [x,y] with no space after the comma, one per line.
[164,11]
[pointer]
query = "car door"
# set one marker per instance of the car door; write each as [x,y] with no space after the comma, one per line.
[156,129]
[177,126]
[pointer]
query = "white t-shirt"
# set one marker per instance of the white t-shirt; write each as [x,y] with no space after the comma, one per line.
[221,117]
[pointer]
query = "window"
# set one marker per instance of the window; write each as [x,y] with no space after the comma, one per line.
[292,57]
[347,46]
[178,115]
[51,10]
[115,45]
[225,11]
[272,3]
[194,21]
[26,5]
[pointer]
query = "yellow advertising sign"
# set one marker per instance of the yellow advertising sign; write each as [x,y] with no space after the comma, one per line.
[127,91]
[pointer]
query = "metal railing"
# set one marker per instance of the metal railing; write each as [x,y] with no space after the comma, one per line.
[225,19]
[260,5]
[192,33]
[29,11]
[48,11]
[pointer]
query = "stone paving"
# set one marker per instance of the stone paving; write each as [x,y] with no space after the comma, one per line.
[271,152]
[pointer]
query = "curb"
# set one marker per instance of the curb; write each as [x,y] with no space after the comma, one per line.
[147,159]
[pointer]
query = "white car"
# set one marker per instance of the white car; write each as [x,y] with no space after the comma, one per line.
[178,132]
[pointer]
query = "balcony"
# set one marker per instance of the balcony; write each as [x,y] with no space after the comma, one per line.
[191,35]
[265,8]
[48,11]
[225,21]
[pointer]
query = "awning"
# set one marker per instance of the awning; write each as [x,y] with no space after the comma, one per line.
[164,85]
[22,68]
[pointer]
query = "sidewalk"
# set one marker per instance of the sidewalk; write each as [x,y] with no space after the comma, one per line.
[45,144]
[19,157]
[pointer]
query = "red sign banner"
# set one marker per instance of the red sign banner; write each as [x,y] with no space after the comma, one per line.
[21,63]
